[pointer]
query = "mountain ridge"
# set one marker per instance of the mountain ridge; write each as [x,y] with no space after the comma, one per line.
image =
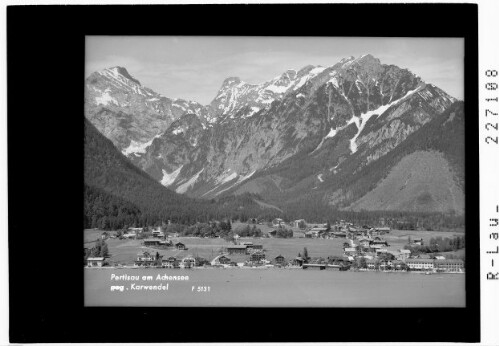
[357,110]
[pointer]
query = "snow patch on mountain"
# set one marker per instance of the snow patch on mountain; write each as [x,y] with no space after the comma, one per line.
[334,80]
[320,178]
[334,168]
[346,61]
[331,133]
[137,147]
[302,81]
[279,89]
[236,94]
[179,106]
[361,121]
[224,178]
[184,187]
[106,98]
[169,178]
[243,178]
[116,78]
[178,131]
[239,181]
[266,101]
[253,111]
[314,72]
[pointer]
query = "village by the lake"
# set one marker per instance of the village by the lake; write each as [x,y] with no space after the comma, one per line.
[339,246]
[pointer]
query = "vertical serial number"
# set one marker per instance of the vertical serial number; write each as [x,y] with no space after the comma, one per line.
[492,110]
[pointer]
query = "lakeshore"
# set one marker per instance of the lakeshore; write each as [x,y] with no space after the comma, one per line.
[265,287]
[354,268]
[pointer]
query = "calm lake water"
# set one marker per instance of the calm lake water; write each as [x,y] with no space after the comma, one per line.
[276,288]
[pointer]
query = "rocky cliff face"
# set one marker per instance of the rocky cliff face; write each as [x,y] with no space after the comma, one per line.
[237,99]
[290,138]
[128,113]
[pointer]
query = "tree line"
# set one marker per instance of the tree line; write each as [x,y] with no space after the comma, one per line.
[438,244]
[98,250]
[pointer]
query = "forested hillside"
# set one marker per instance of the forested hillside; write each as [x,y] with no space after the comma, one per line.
[110,171]
[103,210]
[119,194]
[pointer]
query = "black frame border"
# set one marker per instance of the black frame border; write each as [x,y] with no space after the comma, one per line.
[45,47]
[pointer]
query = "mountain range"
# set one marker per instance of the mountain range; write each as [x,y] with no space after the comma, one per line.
[357,135]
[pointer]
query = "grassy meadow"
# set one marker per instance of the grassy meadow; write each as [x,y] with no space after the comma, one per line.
[398,238]
[125,251]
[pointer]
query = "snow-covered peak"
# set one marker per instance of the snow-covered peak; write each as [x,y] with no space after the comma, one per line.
[364,71]
[235,95]
[281,83]
[230,82]
[117,80]
[120,74]
[364,60]
[311,72]
[291,74]
[316,70]
[345,60]
[123,71]
[115,86]
[305,70]
[114,91]
[285,77]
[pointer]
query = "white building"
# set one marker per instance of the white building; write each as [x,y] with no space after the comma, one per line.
[420,263]
[297,223]
[95,261]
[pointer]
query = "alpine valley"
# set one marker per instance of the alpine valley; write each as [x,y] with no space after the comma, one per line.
[357,135]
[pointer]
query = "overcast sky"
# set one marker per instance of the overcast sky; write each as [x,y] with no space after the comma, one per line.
[194,68]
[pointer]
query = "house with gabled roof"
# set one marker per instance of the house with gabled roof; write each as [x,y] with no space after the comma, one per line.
[180,246]
[220,260]
[403,254]
[188,262]
[298,261]
[95,261]
[279,260]
[257,256]
[170,262]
